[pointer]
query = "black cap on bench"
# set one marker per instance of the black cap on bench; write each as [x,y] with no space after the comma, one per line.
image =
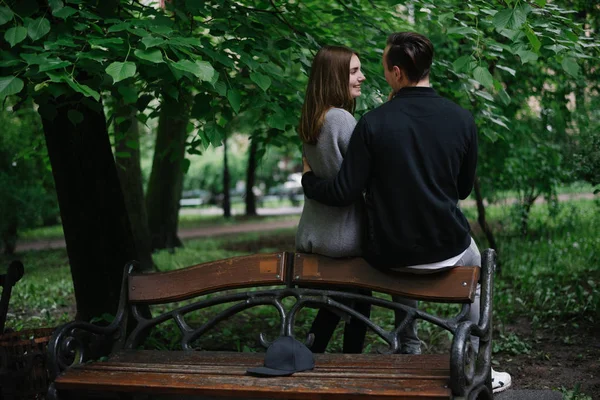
[285,356]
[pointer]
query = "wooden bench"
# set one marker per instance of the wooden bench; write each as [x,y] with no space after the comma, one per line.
[127,369]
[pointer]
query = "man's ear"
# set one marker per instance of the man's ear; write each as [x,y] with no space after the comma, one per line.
[398,73]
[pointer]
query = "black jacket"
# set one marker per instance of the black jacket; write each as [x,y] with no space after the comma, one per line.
[416,157]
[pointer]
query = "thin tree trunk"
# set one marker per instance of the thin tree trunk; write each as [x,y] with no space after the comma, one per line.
[94,217]
[9,238]
[483,222]
[250,178]
[226,182]
[130,177]
[166,178]
[528,201]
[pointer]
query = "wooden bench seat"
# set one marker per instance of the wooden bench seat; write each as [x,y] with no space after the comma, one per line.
[308,279]
[218,374]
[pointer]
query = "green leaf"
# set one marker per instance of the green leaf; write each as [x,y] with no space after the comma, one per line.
[461,63]
[160,29]
[55,5]
[5,15]
[510,18]
[104,42]
[556,48]
[484,95]
[177,73]
[53,63]
[154,55]
[9,63]
[62,41]
[10,85]
[200,69]
[277,121]
[234,98]
[37,29]
[462,31]
[57,76]
[572,36]
[139,32]
[15,35]
[130,94]
[483,76]
[504,97]
[152,41]
[263,81]
[119,27]
[541,3]
[33,59]
[221,88]
[89,15]
[214,133]
[509,70]
[75,116]
[121,70]
[526,56]
[512,34]
[498,122]
[40,86]
[533,39]
[570,66]
[64,12]
[78,87]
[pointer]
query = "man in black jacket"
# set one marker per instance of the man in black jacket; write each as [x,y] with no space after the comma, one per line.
[416,157]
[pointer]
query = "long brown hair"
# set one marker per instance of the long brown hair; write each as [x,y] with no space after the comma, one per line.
[328,86]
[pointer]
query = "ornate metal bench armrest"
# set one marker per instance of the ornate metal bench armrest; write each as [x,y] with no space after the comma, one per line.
[470,367]
[77,342]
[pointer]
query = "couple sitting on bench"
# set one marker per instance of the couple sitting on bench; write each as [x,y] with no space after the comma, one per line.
[386,188]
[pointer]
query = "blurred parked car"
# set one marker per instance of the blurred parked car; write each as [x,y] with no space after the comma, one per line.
[290,189]
[237,195]
[194,198]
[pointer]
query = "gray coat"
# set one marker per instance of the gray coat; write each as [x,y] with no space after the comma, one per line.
[326,230]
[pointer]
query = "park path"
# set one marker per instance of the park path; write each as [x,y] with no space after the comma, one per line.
[218,230]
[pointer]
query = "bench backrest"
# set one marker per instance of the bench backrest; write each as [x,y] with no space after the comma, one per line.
[231,273]
[456,285]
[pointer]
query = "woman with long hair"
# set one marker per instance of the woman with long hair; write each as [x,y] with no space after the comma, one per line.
[326,125]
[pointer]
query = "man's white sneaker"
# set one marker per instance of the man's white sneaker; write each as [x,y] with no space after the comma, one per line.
[500,381]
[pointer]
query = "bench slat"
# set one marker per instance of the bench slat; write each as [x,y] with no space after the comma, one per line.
[231,273]
[456,285]
[335,376]
[349,361]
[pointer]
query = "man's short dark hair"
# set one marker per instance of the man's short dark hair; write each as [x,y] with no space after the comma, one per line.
[411,52]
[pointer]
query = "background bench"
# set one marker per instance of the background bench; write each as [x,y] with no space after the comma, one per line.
[305,277]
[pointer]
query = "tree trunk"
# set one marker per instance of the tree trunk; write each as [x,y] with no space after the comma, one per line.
[166,178]
[94,217]
[250,178]
[226,182]
[526,205]
[483,222]
[9,237]
[130,177]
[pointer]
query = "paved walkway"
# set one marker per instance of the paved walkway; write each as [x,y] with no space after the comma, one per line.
[248,226]
[529,395]
[187,233]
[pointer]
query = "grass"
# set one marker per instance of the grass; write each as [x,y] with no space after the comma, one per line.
[550,277]
[186,221]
